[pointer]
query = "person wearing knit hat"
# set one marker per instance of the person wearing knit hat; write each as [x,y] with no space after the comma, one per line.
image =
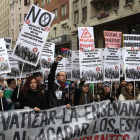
[128,92]
[105,95]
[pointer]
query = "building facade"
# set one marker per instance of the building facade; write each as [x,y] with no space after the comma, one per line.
[18,12]
[60,27]
[4,18]
[112,15]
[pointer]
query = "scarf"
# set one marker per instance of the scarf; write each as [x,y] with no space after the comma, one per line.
[62,84]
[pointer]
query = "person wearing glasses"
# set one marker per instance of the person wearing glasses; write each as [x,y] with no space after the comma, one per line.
[58,90]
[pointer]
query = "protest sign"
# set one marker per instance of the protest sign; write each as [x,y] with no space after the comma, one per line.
[33,35]
[121,63]
[8,43]
[75,66]
[46,73]
[91,67]
[47,56]
[86,38]
[112,64]
[132,63]
[95,121]
[39,17]
[68,65]
[131,40]
[112,39]
[4,61]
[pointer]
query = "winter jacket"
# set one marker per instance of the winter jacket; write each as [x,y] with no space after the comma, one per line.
[127,96]
[53,86]
[31,101]
[5,104]
[7,94]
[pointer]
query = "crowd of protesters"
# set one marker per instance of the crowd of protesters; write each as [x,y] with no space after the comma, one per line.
[33,93]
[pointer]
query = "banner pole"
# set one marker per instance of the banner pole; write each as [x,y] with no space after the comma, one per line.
[134,91]
[2,104]
[20,79]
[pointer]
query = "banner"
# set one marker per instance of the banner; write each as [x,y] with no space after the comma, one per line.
[91,65]
[75,66]
[4,61]
[112,64]
[33,36]
[112,39]
[132,63]
[131,40]
[95,121]
[8,43]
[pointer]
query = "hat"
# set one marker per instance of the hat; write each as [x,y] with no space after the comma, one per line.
[106,84]
[130,82]
[37,73]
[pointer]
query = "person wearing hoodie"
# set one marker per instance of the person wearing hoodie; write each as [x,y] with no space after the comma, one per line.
[58,90]
[9,91]
[127,93]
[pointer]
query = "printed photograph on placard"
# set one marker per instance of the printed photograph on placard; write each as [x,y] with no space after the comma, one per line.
[68,73]
[75,72]
[46,73]
[132,71]
[8,43]
[92,73]
[111,71]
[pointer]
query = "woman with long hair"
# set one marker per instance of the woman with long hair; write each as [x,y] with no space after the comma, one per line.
[127,93]
[31,95]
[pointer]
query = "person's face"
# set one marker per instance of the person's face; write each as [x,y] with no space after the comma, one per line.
[106,89]
[123,83]
[38,77]
[33,84]
[100,86]
[62,77]
[13,84]
[129,87]
[85,88]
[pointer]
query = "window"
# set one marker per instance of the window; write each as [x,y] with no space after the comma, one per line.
[19,17]
[12,23]
[135,29]
[48,1]
[76,17]
[55,32]
[64,10]
[42,3]
[129,1]
[56,13]
[107,7]
[37,4]
[63,29]
[13,8]
[19,3]
[116,3]
[84,13]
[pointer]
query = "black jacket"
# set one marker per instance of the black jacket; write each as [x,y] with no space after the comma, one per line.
[32,100]
[53,85]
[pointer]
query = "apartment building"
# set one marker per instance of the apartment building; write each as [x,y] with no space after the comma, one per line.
[18,12]
[4,18]
[60,27]
[113,15]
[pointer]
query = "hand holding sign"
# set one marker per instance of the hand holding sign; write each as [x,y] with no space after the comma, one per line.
[1,94]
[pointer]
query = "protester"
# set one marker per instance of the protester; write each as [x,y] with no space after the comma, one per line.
[4,102]
[31,95]
[58,91]
[122,82]
[116,90]
[82,95]
[9,91]
[105,95]
[128,92]
[39,76]
[99,88]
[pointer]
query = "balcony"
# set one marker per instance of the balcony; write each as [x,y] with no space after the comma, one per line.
[61,39]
